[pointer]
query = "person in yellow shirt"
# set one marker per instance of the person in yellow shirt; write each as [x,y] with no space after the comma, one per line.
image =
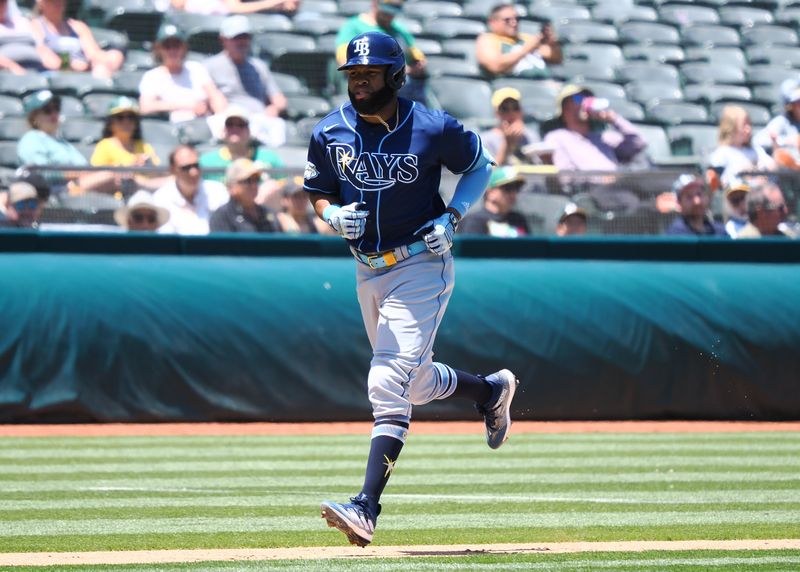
[122,145]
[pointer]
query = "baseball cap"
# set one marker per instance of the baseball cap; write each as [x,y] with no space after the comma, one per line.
[140,200]
[505,176]
[572,209]
[788,89]
[38,100]
[21,191]
[242,169]
[123,104]
[41,185]
[170,31]
[737,186]
[236,111]
[685,181]
[233,26]
[393,7]
[568,91]
[504,93]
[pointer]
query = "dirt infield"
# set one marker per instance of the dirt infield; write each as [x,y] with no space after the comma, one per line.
[327,552]
[363,428]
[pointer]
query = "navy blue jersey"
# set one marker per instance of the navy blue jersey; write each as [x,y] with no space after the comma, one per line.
[395,173]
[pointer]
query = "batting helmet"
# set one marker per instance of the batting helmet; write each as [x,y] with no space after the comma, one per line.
[378,49]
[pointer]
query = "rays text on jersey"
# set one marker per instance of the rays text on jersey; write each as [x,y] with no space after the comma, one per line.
[372,171]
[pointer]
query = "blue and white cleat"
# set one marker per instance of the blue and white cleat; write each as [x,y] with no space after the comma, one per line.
[497,413]
[356,519]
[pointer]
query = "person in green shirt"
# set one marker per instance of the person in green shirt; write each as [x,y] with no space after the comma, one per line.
[382,18]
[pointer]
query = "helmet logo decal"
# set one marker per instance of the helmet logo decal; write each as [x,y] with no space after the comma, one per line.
[361,47]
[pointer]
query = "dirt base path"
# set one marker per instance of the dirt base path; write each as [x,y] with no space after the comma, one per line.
[363,428]
[322,553]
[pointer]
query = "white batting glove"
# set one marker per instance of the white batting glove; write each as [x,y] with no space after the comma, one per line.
[440,239]
[348,220]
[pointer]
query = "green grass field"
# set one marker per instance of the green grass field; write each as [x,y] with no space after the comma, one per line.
[136,493]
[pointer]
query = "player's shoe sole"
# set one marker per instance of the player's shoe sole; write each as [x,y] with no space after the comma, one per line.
[498,416]
[345,518]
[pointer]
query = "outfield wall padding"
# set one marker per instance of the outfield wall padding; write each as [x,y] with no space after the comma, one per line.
[177,336]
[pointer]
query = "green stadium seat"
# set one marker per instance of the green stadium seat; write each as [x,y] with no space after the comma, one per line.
[8,154]
[464,98]
[710,36]
[744,16]
[768,74]
[78,83]
[582,32]
[698,140]
[531,88]
[733,56]
[12,84]
[299,106]
[353,7]
[447,28]
[194,131]
[706,93]
[646,92]
[140,25]
[10,106]
[430,9]
[450,66]
[158,131]
[760,113]
[607,89]
[765,35]
[656,54]
[561,13]
[12,128]
[83,129]
[648,33]
[712,73]
[676,112]
[273,44]
[774,55]
[646,71]
[289,84]
[606,55]
[687,14]
[111,39]
[71,106]
[96,104]
[614,13]
[315,68]
[578,71]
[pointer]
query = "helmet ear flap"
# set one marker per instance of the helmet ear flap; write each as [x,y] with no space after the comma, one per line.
[395,80]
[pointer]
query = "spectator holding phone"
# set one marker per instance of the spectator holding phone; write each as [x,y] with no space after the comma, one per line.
[505,51]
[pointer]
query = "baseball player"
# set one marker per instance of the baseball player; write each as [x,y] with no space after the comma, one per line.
[373,173]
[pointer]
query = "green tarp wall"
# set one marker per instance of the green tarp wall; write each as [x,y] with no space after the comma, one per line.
[132,328]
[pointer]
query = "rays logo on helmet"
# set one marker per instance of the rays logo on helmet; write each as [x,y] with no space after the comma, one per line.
[361,47]
[372,171]
[310,171]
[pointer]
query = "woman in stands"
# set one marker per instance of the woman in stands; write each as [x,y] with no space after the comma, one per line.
[736,153]
[69,44]
[18,50]
[122,145]
[183,89]
[236,6]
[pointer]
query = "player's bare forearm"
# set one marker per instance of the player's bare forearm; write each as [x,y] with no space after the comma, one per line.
[320,202]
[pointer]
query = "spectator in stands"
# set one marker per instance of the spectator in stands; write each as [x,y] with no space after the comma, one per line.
[766,213]
[141,213]
[18,50]
[247,82]
[182,88]
[507,140]
[123,145]
[242,213]
[505,51]
[24,206]
[498,217]
[296,214]
[736,208]
[693,199]
[238,144]
[236,6]
[189,199]
[572,221]
[736,152]
[781,136]
[382,18]
[69,44]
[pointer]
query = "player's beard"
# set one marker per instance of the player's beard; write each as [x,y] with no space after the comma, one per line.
[373,103]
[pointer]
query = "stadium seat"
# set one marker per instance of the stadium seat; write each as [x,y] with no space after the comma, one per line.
[712,73]
[646,92]
[139,60]
[648,33]
[744,16]
[140,25]
[428,9]
[687,14]
[578,71]
[606,55]
[290,84]
[545,206]
[191,21]
[299,106]
[615,13]
[301,133]
[323,7]
[656,54]
[581,32]
[71,106]
[628,109]
[789,16]
[770,94]
[646,71]
[353,7]
[459,47]
[96,104]
[10,106]
[447,28]
[111,39]
[658,149]
[769,35]
[263,23]
[774,55]
[12,84]
[760,114]
[82,129]
[294,157]
[127,82]
[445,65]
[8,154]
[710,36]
[607,89]
[531,88]
[194,131]
[464,98]
[561,13]
[719,55]
[273,44]
[12,128]
[320,26]
[78,83]
[158,131]
[204,40]
[768,74]
[706,93]
[676,112]
[315,68]
[699,140]
[430,47]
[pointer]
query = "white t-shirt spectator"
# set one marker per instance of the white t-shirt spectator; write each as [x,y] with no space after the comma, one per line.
[177,88]
[734,160]
[190,218]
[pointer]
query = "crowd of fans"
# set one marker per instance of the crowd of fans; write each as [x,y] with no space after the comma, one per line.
[235,187]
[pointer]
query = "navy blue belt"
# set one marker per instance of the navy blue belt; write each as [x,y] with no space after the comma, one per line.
[389,258]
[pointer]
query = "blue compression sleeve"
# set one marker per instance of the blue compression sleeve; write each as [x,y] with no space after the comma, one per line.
[470,188]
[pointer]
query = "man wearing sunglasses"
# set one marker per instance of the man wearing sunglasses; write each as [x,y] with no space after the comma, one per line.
[766,212]
[505,51]
[242,213]
[24,206]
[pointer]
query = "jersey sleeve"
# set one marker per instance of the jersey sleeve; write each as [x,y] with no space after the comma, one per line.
[461,150]
[319,176]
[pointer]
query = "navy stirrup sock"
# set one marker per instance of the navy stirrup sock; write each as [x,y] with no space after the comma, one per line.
[472,387]
[388,438]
